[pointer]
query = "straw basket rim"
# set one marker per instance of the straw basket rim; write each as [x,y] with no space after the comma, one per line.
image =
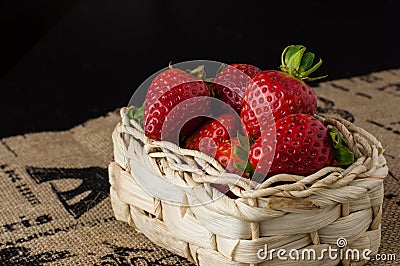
[368,150]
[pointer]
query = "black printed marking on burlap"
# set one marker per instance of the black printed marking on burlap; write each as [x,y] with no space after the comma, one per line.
[138,256]
[326,107]
[390,156]
[24,223]
[364,95]
[168,260]
[54,231]
[390,196]
[370,78]
[8,148]
[22,187]
[13,256]
[27,193]
[94,180]
[340,87]
[393,176]
[392,88]
[123,255]
[388,128]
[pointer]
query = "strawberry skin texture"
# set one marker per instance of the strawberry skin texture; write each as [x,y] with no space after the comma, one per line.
[230,84]
[302,147]
[272,95]
[167,92]
[213,132]
[227,158]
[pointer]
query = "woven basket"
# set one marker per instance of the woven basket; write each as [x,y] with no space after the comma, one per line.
[302,212]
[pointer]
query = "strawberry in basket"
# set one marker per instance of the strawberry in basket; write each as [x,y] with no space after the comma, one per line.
[219,138]
[303,145]
[273,94]
[175,104]
[298,142]
[230,83]
[213,132]
[233,155]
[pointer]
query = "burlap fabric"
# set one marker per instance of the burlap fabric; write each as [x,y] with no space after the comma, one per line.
[54,191]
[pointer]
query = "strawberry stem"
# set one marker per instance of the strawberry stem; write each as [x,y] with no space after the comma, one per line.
[198,72]
[299,64]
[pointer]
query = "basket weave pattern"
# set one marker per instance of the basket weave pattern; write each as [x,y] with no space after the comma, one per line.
[284,212]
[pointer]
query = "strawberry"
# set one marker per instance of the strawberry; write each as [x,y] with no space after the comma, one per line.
[273,94]
[175,100]
[231,82]
[303,146]
[210,134]
[233,155]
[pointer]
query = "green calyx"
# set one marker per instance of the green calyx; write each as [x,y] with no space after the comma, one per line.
[136,114]
[341,152]
[242,152]
[244,142]
[298,63]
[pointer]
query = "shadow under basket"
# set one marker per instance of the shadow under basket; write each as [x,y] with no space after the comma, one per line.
[165,192]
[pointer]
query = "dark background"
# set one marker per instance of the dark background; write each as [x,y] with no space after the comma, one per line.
[63,62]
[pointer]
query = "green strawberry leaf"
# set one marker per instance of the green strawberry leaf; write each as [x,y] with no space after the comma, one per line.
[304,75]
[136,114]
[139,114]
[291,50]
[239,166]
[295,60]
[131,112]
[240,152]
[249,169]
[246,167]
[299,64]
[244,142]
[306,62]
[341,153]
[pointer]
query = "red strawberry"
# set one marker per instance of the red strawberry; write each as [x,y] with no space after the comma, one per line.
[273,94]
[174,98]
[229,84]
[233,155]
[210,134]
[303,146]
